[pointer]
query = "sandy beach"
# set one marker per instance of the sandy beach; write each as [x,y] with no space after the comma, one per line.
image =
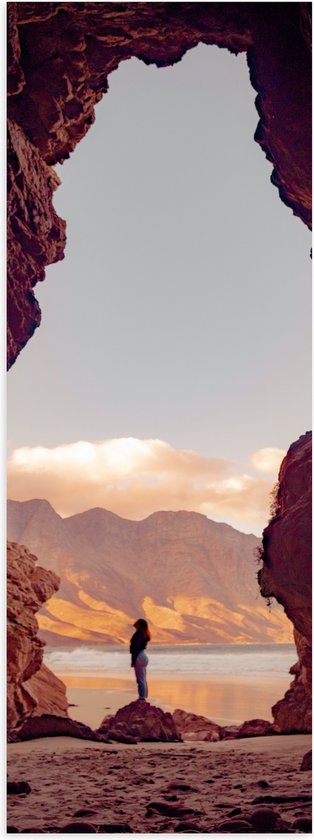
[162,787]
[157,788]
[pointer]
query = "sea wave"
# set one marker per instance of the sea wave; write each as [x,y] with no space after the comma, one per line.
[245,660]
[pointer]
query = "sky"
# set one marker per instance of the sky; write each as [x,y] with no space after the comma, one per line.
[171,369]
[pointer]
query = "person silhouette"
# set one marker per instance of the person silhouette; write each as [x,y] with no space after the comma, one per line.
[139,659]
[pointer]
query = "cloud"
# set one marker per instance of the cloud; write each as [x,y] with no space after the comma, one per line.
[268,460]
[134,478]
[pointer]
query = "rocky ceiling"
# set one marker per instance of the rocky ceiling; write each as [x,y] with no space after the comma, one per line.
[59,59]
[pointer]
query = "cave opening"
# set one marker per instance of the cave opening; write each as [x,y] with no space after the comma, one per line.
[173,307]
[180,289]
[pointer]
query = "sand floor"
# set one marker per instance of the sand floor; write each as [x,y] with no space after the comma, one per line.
[118,783]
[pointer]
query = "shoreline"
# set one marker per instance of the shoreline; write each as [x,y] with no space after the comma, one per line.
[224,700]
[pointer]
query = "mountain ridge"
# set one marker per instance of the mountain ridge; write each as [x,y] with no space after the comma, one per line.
[193,579]
[44,502]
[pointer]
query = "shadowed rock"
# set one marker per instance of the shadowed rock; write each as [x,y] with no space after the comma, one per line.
[228,733]
[196,727]
[59,58]
[235,827]
[286,575]
[28,587]
[139,721]
[18,787]
[264,819]
[307,761]
[48,726]
[302,824]
[256,727]
[168,810]
[187,828]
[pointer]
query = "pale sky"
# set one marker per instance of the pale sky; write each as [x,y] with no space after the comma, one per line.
[175,335]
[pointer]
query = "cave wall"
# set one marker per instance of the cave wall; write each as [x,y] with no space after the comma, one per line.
[32,689]
[59,58]
[286,575]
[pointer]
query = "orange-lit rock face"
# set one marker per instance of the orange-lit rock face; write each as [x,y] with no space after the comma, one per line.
[287,575]
[29,586]
[59,59]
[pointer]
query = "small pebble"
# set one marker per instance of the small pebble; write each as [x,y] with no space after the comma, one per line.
[264,819]
[303,824]
[18,787]
[234,826]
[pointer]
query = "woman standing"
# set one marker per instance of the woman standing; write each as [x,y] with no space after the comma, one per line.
[139,659]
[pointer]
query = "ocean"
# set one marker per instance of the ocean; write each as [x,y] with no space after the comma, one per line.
[200,660]
[226,683]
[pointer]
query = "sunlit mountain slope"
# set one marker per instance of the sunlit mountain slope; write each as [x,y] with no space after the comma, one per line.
[192,578]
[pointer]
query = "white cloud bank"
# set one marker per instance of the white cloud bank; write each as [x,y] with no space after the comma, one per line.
[134,478]
[268,460]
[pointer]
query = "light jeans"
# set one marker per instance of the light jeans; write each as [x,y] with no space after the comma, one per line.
[140,666]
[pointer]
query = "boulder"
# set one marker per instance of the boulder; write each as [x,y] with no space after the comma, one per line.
[195,727]
[139,721]
[302,824]
[18,787]
[48,692]
[264,819]
[235,826]
[256,727]
[307,761]
[228,733]
[49,726]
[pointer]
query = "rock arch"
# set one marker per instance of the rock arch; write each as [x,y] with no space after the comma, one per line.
[59,59]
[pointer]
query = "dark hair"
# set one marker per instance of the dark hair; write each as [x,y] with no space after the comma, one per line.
[141,624]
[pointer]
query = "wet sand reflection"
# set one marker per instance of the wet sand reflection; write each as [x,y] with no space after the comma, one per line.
[222,699]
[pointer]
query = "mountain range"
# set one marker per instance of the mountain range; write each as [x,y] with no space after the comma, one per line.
[193,579]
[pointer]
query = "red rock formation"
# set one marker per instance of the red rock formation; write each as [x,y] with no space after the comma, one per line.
[286,574]
[256,728]
[306,763]
[28,587]
[36,235]
[52,726]
[59,59]
[196,727]
[139,721]
[48,692]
